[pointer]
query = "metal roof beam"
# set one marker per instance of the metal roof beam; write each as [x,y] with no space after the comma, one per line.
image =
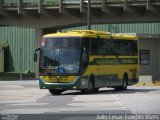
[128,7]
[152,8]
[103,5]
[81,6]
[39,6]
[19,6]
[109,8]
[61,6]
[125,5]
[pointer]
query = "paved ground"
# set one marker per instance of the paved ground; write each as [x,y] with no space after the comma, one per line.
[25,97]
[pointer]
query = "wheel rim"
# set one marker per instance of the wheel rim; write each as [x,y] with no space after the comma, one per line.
[125,83]
[90,85]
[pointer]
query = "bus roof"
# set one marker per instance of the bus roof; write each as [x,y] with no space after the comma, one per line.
[124,36]
[80,33]
[91,34]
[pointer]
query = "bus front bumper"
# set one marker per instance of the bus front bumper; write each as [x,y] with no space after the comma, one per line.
[76,85]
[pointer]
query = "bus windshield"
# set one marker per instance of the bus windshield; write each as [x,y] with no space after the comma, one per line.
[61,55]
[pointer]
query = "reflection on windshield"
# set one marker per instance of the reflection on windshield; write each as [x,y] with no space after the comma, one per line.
[69,61]
[49,58]
[61,60]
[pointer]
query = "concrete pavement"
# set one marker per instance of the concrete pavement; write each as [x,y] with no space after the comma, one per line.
[25,97]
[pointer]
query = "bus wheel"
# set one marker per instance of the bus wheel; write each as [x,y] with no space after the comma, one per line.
[55,92]
[90,88]
[124,84]
[96,89]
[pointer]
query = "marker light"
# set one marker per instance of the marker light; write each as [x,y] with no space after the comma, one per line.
[43,42]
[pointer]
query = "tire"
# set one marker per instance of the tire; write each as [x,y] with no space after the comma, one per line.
[124,84]
[96,89]
[91,87]
[55,92]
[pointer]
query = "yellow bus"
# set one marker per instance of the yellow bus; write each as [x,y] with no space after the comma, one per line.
[87,60]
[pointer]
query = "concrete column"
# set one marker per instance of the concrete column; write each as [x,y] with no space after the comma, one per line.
[159,57]
[38,37]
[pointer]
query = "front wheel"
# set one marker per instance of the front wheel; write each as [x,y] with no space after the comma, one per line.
[55,92]
[90,88]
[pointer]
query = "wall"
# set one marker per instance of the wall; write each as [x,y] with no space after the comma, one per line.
[153,68]
[16,38]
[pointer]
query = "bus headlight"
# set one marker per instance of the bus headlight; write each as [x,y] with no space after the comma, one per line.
[74,87]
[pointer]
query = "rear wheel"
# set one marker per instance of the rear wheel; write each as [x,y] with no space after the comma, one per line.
[55,92]
[96,89]
[124,84]
[90,86]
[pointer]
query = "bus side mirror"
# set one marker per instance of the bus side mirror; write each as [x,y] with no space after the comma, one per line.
[35,54]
